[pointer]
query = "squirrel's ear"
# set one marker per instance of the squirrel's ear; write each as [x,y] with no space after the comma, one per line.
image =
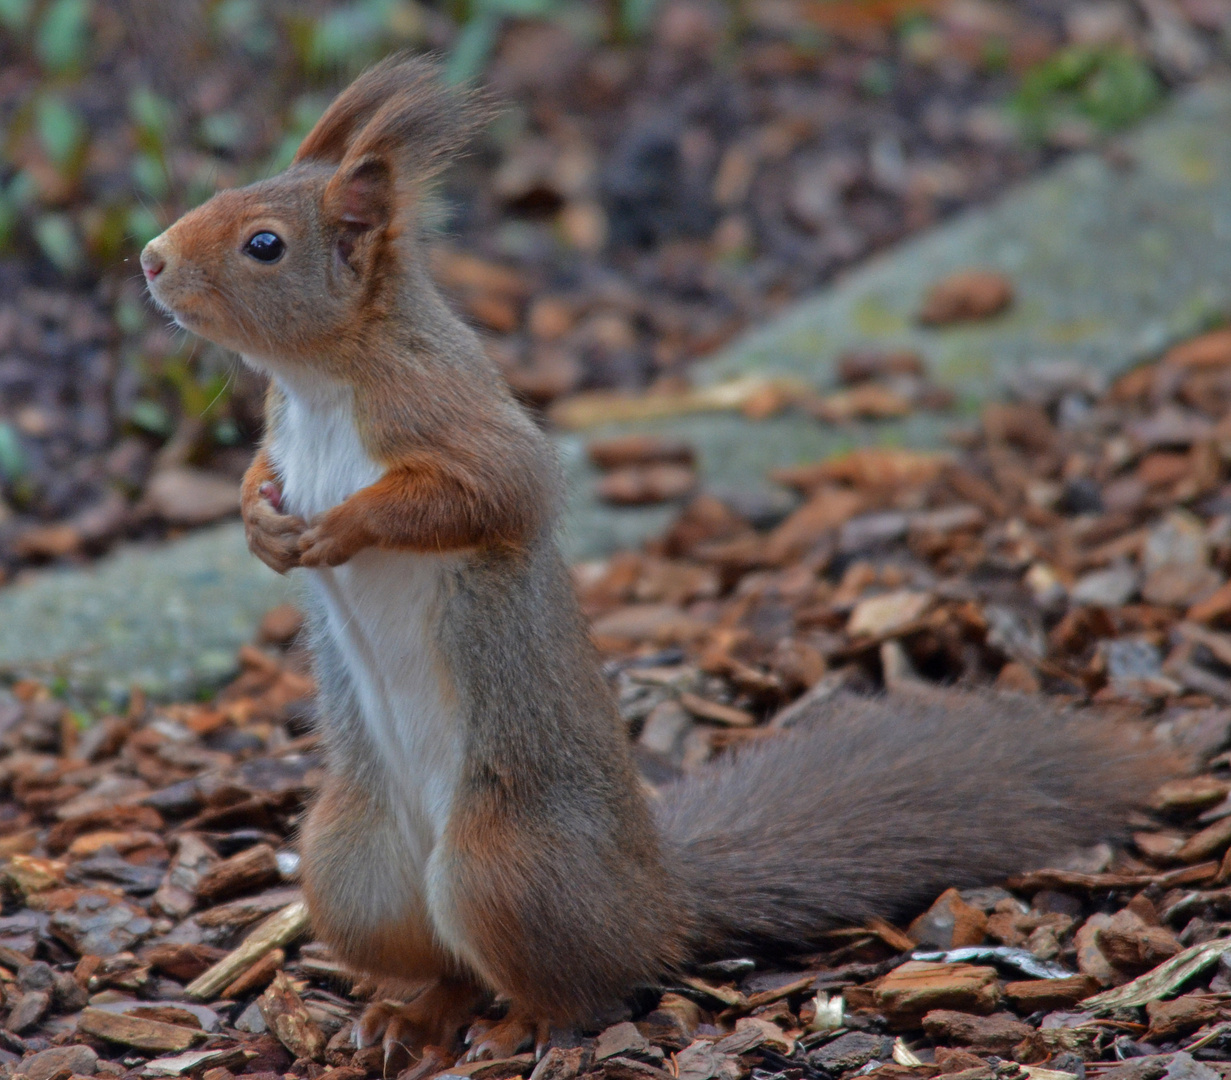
[401,109]
[360,194]
[358,200]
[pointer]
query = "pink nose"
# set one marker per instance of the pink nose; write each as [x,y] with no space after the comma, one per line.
[152,263]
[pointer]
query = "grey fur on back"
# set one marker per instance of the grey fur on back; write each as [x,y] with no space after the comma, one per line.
[874,807]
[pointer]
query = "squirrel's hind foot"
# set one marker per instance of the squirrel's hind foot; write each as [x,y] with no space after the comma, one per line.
[494,1040]
[435,1017]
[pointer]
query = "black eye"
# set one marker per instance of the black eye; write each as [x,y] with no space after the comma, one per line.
[265,247]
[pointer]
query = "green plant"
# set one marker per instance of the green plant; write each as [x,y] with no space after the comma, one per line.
[1108,88]
[12,458]
[15,14]
[480,22]
[350,36]
[56,235]
[62,133]
[63,37]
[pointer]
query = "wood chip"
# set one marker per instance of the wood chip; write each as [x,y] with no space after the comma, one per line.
[917,987]
[1212,840]
[249,871]
[288,1018]
[714,711]
[256,977]
[725,994]
[590,410]
[275,932]
[778,993]
[196,1061]
[965,296]
[502,1069]
[138,1032]
[1030,995]
[1067,879]
[1162,981]
[639,450]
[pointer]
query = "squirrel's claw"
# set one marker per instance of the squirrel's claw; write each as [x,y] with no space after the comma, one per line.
[397,1028]
[405,1029]
[495,1041]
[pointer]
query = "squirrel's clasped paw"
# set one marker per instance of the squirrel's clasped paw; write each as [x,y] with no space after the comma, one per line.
[273,537]
[319,546]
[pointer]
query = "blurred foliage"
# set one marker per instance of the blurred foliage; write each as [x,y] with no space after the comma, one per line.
[86,179]
[107,136]
[12,460]
[1108,88]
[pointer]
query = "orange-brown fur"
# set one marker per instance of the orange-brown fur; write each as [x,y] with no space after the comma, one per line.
[402,949]
[553,881]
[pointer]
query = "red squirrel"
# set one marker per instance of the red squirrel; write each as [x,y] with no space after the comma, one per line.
[482,829]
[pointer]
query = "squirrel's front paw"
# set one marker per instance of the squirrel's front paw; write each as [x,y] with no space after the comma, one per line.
[273,537]
[330,543]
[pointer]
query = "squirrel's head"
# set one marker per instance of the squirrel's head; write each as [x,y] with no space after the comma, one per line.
[289,269]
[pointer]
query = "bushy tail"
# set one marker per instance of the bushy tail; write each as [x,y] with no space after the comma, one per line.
[874,807]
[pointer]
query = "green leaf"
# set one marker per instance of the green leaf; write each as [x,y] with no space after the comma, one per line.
[23,190]
[149,174]
[306,111]
[876,78]
[235,18]
[636,16]
[151,113]
[1122,90]
[226,433]
[64,36]
[150,416]
[472,48]
[129,315]
[8,218]
[15,14]
[244,23]
[347,38]
[61,130]
[284,153]
[1109,87]
[520,9]
[12,457]
[222,131]
[143,226]
[57,238]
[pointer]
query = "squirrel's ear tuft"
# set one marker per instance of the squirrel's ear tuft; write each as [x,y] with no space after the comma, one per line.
[331,136]
[401,109]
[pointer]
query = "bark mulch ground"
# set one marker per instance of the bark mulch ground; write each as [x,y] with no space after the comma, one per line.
[648,193]
[1075,543]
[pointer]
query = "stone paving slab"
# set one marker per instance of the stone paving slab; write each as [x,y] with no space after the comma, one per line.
[1113,257]
[1112,260]
[167,618]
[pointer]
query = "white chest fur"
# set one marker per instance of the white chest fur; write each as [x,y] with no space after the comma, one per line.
[381,609]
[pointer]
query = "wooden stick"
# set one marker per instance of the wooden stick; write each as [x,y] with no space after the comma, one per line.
[280,928]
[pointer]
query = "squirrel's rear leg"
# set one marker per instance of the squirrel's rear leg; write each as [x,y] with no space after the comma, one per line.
[434,1017]
[499,1039]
